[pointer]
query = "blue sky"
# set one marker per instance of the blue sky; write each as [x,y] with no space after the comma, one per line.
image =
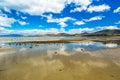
[32,17]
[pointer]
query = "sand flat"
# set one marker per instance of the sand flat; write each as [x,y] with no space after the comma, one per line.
[82,66]
[4,49]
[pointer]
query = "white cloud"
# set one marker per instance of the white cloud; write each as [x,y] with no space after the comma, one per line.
[30,32]
[4,31]
[99,8]
[117,10]
[7,10]
[38,7]
[94,18]
[17,13]
[62,24]
[22,23]
[24,17]
[40,26]
[111,27]
[80,30]
[117,22]
[78,9]
[6,22]
[34,7]
[79,23]
[1,28]
[107,27]
[46,31]
[89,20]
[83,4]
[59,21]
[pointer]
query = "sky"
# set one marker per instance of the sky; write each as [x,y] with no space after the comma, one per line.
[35,17]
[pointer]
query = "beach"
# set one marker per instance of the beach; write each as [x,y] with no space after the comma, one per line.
[60,65]
[59,40]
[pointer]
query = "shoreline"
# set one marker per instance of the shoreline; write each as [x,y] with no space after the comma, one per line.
[68,41]
[85,65]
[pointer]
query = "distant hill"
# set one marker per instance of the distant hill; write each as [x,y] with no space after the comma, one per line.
[59,34]
[106,32]
[11,35]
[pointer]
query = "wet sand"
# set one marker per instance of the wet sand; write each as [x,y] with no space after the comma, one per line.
[61,65]
[85,39]
[4,49]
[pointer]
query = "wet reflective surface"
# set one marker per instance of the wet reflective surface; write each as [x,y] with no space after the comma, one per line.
[66,61]
[26,64]
[89,46]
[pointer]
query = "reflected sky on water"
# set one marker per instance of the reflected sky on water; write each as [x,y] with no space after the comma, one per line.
[89,46]
[73,61]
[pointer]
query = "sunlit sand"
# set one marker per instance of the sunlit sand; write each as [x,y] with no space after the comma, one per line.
[84,60]
[60,65]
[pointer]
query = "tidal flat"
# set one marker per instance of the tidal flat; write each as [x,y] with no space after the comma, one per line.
[84,60]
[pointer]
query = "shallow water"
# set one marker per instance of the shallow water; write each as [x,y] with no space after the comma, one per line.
[41,38]
[29,64]
[66,61]
[90,46]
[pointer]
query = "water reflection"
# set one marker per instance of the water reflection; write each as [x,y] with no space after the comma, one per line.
[62,61]
[58,64]
[89,46]
[111,45]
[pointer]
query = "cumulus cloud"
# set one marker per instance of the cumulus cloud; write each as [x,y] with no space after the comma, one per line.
[94,18]
[34,7]
[7,10]
[59,21]
[107,27]
[83,4]
[62,24]
[79,23]
[99,8]
[91,8]
[38,7]
[4,31]
[117,10]
[23,17]
[78,9]
[111,27]
[6,22]
[22,23]
[80,30]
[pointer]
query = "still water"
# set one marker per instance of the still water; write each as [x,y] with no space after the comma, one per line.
[65,61]
[90,46]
